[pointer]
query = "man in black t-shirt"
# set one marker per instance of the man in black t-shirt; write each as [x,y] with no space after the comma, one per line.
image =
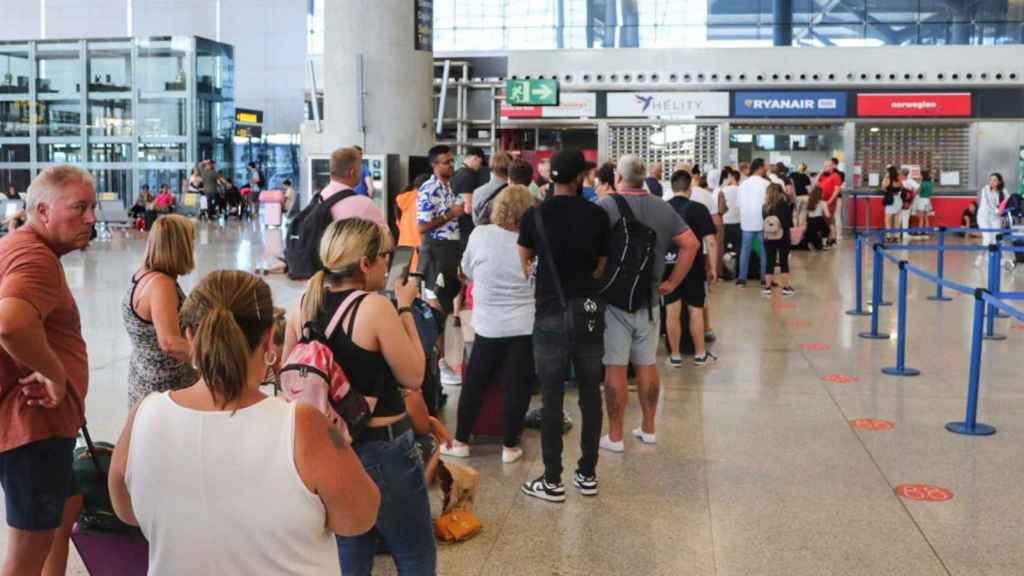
[576,232]
[467,179]
[801,188]
[693,289]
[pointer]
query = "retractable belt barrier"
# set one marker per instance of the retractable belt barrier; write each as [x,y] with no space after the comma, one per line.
[989,303]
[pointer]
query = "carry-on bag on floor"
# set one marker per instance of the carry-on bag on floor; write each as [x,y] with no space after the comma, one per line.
[491,422]
[107,546]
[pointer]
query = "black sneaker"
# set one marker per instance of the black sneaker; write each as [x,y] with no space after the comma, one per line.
[788,291]
[587,485]
[703,360]
[540,488]
[741,283]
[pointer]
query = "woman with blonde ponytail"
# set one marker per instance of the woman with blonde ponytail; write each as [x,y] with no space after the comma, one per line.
[379,349]
[225,480]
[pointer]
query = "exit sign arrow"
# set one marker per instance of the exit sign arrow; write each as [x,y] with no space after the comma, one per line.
[531,92]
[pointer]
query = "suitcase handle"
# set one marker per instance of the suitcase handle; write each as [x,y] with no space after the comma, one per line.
[92,451]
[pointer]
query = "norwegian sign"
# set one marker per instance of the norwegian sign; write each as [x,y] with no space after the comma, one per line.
[570,105]
[791,104]
[916,105]
[531,92]
[668,104]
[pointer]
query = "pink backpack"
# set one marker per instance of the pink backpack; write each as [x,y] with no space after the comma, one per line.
[311,376]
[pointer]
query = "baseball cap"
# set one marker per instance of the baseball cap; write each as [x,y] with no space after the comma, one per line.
[567,165]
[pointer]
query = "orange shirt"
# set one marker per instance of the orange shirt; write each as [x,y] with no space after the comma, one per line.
[408,230]
[31,271]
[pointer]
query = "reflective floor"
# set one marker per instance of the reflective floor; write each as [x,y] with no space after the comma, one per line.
[758,470]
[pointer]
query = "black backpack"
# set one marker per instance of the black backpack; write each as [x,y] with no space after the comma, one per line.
[302,249]
[629,272]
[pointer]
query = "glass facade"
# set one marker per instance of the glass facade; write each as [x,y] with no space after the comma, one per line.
[497,25]
[130,110]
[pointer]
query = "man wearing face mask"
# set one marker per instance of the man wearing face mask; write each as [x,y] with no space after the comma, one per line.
[44,370]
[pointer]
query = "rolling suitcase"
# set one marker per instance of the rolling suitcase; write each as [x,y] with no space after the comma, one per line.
[107,546]
[271,202]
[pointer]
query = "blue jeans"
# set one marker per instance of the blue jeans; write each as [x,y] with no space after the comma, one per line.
[748,245]
[403,521]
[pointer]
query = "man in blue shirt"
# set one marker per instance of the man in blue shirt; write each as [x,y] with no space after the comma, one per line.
[365,186]
[438,209]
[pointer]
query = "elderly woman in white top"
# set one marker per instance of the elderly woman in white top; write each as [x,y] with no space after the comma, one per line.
[503,311]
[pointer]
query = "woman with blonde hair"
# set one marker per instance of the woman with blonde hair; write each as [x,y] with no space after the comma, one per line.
[379,349]
[223,479]
[160,353]
[503,311]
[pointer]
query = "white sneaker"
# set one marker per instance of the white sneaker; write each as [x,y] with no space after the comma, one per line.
[510,455]
[607,444]
[456,450]
[645,437]
[448,376]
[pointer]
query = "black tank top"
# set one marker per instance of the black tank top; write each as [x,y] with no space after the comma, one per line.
[367,371]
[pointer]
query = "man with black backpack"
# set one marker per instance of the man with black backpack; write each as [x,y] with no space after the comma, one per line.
[335,202]
[643,228]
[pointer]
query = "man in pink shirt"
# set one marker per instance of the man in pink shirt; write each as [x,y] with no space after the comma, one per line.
[345,167]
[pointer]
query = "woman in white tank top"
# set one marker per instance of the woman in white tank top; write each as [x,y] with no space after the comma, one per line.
[225,480]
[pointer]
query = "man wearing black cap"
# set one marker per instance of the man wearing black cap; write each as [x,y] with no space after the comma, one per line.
[567,234]
[467,179]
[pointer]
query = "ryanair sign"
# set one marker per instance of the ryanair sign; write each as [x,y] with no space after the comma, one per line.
[791,104]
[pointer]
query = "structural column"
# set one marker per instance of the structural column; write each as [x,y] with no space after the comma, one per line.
[782,18]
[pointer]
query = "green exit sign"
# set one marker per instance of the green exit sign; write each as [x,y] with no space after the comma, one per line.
[531,92]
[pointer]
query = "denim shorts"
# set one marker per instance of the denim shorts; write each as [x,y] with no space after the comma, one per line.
[37,481]
[631,337]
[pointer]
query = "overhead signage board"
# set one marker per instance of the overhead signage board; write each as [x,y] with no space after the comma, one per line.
[667,104]
[531,92]
[790,104]
[948,105]
[423,21]
[248,116]
[570,105]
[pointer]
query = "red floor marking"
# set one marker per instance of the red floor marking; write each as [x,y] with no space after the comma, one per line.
[924,493]
[798,324]
[816,347]
[1018,327]
[784,306]
[871,424]
[839,379]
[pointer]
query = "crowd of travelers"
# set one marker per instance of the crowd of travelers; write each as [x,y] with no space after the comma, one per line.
[572,277]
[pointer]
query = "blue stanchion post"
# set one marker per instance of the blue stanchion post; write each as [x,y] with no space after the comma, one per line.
[858,282]
[994,271]
[881,282]
[970,426]
[900,369]
[877,262]
[940,266]
[999,274]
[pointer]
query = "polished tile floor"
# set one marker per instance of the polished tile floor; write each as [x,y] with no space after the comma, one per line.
[758,470]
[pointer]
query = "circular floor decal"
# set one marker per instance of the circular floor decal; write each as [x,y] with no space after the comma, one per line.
[816,347]
[784,306]
[872,424]
[1018,327]
[923,493]
[839,379]
[798,324]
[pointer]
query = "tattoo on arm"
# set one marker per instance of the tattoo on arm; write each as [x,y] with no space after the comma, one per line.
[337,438]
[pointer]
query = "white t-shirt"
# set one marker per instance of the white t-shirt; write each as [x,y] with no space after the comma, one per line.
[698,194]
[911,184]
[752,194]
[503,300]
[732,205]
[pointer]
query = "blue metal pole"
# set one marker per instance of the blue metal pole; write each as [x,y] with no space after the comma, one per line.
[901,327]
[993,288]
[940,266]
[858,282]
[970,425]
[999,275]
[881,282]
[876,294]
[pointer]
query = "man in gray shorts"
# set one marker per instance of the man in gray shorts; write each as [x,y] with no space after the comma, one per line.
[632,337]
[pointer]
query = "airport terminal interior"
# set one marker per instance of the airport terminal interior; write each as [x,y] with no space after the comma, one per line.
[506,180]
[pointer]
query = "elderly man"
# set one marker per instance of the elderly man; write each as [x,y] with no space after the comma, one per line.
[632,337]
[44,372]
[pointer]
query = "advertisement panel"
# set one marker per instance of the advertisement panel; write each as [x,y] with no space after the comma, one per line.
[914,105]
[791,104]
[668,104]
[572,105]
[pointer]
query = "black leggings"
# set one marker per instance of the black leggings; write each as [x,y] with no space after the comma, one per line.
[512,357]
[817,231]
[778,254]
